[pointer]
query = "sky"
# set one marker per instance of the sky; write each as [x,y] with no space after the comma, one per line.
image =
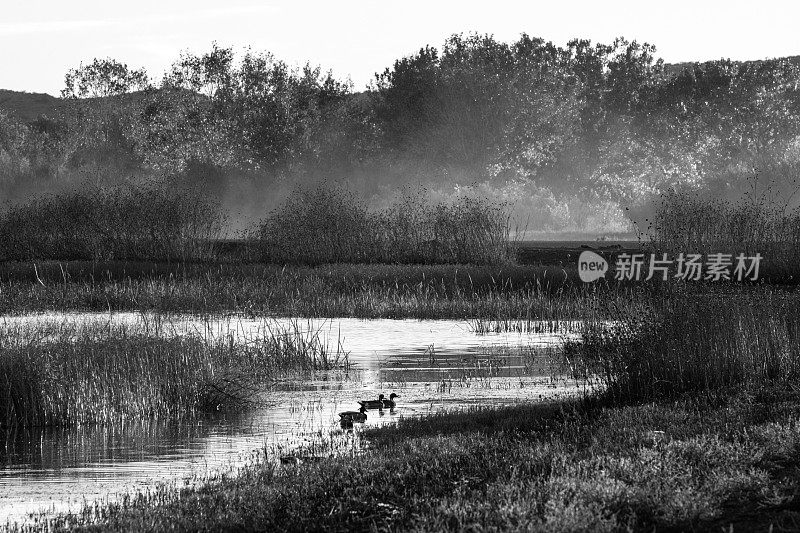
[40,40]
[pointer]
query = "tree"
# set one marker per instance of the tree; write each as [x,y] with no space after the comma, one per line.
[633,72]
[103,78]
[449,110]
[252,114]
[210,74]
[96,87]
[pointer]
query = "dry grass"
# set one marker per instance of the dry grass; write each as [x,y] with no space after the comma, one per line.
[491,294]
[696,344]
[332,225]
[126,222]
[59,374]
[692,223]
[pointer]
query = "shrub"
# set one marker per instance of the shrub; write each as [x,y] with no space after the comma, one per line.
[332,225]
[127,222]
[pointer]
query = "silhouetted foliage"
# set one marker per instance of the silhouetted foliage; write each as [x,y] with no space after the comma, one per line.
[585,124]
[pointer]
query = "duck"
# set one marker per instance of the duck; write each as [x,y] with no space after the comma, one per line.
[390,402]
[373,404]
[354,416]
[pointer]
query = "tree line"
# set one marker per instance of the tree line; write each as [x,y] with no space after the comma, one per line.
[598,122]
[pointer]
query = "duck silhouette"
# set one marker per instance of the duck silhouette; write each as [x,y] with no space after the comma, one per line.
[390,402]
[354,416]
[373,404]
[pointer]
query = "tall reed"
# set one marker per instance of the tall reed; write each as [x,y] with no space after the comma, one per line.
[148,221]
[332,225]
[698,343]
[59,374]
[693,223]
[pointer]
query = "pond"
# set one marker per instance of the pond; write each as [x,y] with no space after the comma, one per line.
[433,365]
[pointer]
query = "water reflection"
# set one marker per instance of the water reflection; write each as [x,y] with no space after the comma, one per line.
[433,365]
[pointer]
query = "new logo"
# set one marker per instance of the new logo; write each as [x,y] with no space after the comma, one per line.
[591,266]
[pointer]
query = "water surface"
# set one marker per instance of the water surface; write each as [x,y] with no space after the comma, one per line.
[433,365]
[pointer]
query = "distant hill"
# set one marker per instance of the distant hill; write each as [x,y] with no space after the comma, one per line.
[27,107]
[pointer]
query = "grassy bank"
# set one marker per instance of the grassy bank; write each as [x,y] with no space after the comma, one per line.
[59,374]
[697,429]
[685,465]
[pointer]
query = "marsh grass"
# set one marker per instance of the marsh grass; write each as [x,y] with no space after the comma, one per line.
[485,326]
[491,294]
[698,344]
[332,225]
[313,226]
[147,221]
[721,449]
[61,374]
[568,311]
[691,223]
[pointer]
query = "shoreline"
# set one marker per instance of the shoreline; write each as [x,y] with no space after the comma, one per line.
[569,465]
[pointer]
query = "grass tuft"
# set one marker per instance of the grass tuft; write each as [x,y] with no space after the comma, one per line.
[62,375]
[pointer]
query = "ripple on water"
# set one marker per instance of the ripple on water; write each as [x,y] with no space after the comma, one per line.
[434,365]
